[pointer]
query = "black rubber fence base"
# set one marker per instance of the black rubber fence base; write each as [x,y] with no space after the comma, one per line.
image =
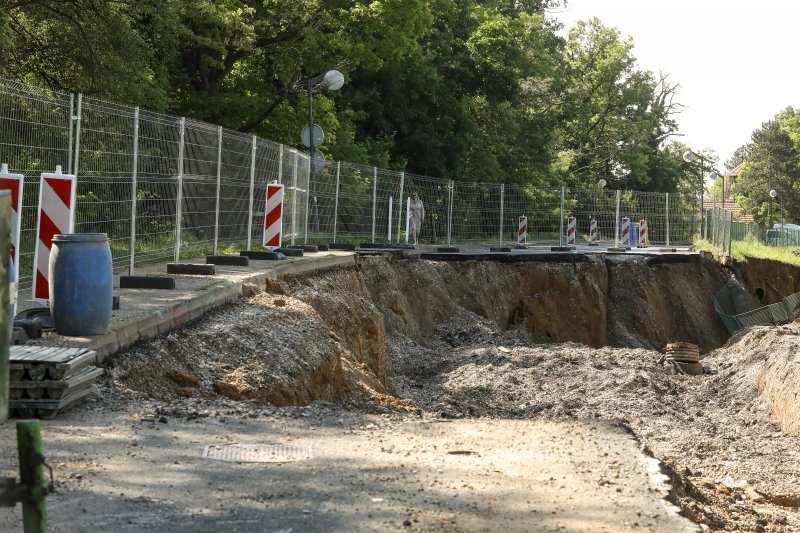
[227,260]
[261,255]
[147,282]
[448,250]
[290,252]
[192,269]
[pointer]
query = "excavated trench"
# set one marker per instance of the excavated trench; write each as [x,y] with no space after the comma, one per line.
[553,338]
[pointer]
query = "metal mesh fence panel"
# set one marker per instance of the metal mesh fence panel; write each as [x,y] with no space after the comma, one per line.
[434,194]
[355,202]
[105,163]
[386,192]
[541,206]
[476,214]
[267,167]
[199,182]
[234,195]
[156,183]
[35,136]
[322,206]
[198,188]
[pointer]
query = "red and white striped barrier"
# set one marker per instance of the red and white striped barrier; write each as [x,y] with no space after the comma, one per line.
[644,234]
[570,231]
[273,217]
[593,233]
[522,234]
[13,183]
[56,216]
[626,231]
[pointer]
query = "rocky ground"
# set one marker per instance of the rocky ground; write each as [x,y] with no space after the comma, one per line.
[408,358]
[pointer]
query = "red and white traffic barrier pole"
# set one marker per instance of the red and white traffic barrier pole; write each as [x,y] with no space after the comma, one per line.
[593,232]
[273,217]
[56,216]
[570,231]
[644,234]
[13,183]
[626,231]
[522,233]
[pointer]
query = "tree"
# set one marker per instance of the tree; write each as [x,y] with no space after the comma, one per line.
[616,117]
[121,50]
[773,163]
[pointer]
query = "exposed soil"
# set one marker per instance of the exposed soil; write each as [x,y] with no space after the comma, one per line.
[767,281]
[517,341]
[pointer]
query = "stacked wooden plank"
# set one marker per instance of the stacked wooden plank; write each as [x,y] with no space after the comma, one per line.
[684,357]
[46,380]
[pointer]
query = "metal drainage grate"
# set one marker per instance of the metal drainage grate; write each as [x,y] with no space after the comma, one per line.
[256,453]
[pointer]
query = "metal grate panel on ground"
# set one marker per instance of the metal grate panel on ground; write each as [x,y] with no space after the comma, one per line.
[256,453]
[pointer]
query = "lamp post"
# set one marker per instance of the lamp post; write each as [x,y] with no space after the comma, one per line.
[690,156]
[600,184]
[773,194]
[332,80]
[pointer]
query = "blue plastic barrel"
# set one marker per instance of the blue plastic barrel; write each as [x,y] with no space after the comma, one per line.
[81,284]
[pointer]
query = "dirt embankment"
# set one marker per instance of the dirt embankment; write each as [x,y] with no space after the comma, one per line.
[598,302]
[767,281]
[325,338]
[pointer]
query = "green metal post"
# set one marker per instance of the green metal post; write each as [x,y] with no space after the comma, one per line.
[31,473]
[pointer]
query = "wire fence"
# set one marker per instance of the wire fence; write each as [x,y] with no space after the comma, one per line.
[166,188]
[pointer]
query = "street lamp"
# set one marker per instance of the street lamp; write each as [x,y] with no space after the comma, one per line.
[690,156]
[773,194]
[600,184]
[333,80]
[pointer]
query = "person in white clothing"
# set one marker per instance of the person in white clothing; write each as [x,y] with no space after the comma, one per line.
[417,214]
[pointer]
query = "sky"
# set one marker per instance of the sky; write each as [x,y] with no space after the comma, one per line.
[737,63]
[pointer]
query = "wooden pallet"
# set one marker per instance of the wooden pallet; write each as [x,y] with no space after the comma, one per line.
[36,363]
[31,408]
[54,389]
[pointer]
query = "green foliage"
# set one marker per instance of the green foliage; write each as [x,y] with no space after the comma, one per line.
[773,162]
[473,91]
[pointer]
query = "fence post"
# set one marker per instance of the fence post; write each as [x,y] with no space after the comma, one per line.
[400,204]
[667,210]
[616,224]
[78,120]
[561,220]
[252,186]
[69,135]
[450,187]
[308,201]
[294,197]
[179,205]
[502,201]
[219,183]
[134,189]
[374,198]
[336,200]
[280,164]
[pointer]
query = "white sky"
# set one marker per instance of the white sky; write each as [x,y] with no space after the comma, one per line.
[737,62]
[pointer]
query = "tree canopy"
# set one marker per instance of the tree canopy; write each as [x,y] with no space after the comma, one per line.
[485,91]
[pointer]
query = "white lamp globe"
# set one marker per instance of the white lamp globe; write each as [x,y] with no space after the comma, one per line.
[333,80]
